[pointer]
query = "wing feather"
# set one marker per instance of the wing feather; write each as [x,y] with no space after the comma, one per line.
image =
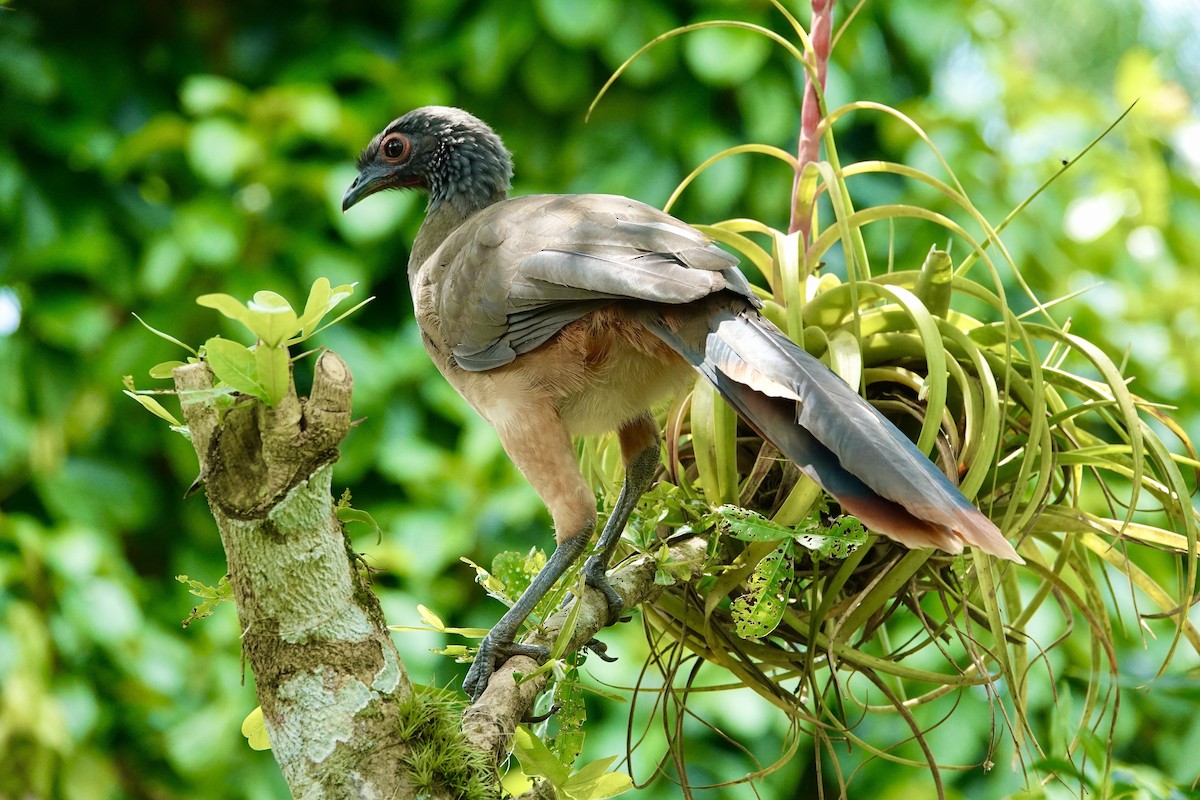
[527,267]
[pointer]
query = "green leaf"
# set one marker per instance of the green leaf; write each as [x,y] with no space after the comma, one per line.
[838,541]
[228,305]
[254,728]
[154,407]
[493,585]
[515,570]
[590,771]
[166,369]
[274,372]
[434,622]
[536,758]
[211,595]
[234,364]
[459,652]
[563,640]
[758,611]
[271,318]
[610,784]
[933,282]
[337,319]
[162,335]
[714,441]
[515,782]
[315,307]
[348,514]
[567,743]
[750,526]
[429,618]
[845,357]
[668,572]
[321,300]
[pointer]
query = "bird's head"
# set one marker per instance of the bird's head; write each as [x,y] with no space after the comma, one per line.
[454,156]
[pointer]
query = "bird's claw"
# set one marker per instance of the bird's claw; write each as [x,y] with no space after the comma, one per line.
[599,649]
[595,574]
[535,719]
[490,655]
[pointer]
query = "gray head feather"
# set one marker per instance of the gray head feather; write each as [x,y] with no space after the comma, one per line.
[462,160]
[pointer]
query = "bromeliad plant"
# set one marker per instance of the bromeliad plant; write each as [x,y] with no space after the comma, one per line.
[1039,426]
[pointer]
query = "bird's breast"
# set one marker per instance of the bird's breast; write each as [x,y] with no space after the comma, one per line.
[598,372]
[605,369]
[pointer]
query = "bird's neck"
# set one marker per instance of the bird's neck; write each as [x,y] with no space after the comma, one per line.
[442,219]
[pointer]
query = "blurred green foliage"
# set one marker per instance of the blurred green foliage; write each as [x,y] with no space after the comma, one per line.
[151,153]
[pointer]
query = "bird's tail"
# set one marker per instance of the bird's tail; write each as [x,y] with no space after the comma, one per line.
[837,438]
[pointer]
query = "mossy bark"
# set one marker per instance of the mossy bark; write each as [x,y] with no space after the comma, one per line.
[327,673]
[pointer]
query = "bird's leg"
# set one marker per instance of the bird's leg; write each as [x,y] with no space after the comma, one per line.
[538,443]
[639,449]
[498,645]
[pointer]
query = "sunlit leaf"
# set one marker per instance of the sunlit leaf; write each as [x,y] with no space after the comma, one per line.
[321,300]
[154,407]
[271,318]
[536,758]
[228,305]
[273,372]
[162,335]
[166,369]
[515,782]
[429,618]
[254,728]
[235,365]
[515,570]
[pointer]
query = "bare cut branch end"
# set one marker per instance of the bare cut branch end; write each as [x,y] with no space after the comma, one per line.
[252,454]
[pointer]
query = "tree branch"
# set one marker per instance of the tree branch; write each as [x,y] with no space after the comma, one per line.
[327,674]
[489,724]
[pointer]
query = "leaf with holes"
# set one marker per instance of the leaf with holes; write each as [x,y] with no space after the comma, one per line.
[750,526]
[759,609]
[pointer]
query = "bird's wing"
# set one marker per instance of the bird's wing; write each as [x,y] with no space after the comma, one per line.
[527,267]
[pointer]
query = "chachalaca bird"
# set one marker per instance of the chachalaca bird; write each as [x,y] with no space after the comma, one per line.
[562,315]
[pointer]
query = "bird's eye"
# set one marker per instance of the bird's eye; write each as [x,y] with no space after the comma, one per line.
[395,147]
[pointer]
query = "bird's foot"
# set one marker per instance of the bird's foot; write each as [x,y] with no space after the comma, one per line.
[595,573]
[492,654]
[599,649]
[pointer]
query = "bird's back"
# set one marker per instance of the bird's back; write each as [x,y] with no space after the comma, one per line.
[509,277]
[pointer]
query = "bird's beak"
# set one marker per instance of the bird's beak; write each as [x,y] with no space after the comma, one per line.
[367,182]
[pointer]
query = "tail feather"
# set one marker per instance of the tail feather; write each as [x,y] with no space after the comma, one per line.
[837,438]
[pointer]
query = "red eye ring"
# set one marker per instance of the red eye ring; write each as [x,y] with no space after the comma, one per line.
[395,148]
